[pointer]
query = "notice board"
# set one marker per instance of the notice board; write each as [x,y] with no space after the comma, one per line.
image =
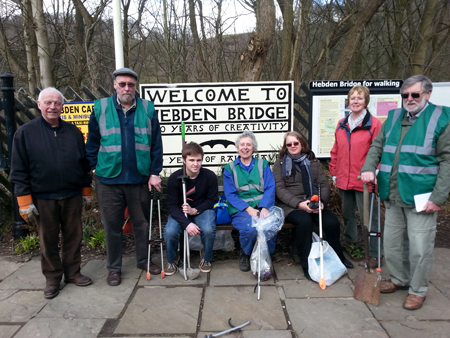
[329,104]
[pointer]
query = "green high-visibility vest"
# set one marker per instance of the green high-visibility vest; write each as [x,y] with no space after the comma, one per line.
[250,185]
[109,162]
[417,163]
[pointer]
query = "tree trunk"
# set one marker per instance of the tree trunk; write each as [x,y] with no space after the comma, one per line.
[423,38]
[353,41]
[43,45]
[287,36]
[203,69]
[253,56]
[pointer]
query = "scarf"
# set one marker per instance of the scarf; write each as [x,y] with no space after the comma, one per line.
[305,168]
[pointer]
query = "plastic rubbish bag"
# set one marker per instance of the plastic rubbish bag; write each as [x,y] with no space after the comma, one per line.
[223,241]
[267,228]
[333,268]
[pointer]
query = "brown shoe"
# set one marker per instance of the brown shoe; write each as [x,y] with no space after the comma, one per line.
[51,291]
[413,302]
[154,269]
[387,286]
[114,278]
[79,280]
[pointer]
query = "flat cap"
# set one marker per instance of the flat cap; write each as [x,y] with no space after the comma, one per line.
[125,71]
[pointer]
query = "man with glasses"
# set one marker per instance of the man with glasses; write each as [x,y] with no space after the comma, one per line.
[51,179]
[413,147]
[124,148]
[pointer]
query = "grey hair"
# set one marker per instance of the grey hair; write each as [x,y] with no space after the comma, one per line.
[247,134]
[51,90]
[427,85]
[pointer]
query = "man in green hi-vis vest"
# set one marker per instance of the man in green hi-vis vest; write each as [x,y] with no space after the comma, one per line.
[124,148]
[413,149]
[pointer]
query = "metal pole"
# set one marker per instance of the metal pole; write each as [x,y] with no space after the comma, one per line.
[10,124]
[118,38]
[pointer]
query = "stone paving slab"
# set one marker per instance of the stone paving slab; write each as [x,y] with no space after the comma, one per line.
[28,277]
[98,300]
[7,267]
[343,288]
[7,331]
[227,273]
[391,308]
[417,329]
[174,280]
[288,270]
[21,305]
[59,327]
[157,310]
[335,318]
[241,304]
[443,286]
[440,270]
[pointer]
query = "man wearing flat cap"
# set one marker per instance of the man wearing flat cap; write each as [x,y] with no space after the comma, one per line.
[124,149]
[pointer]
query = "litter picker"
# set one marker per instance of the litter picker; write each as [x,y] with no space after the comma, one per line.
[233,328]
[155,240]
[322,283]
[188,273]
[368,281]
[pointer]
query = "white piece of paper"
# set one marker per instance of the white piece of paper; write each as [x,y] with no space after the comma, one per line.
[421,200]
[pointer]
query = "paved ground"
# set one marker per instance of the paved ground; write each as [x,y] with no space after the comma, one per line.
[290,306]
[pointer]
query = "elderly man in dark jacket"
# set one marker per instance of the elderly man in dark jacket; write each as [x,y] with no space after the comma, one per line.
[50,174]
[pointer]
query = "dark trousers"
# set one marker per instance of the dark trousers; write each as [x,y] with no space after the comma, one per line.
[304,227]
[112,200]
[57,216]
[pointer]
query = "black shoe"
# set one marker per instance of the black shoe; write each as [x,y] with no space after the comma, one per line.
[348,264]
[244,261]
[51,291]
[114,278]
[306,273]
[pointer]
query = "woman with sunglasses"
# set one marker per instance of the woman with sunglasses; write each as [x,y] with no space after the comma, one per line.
[297,175]
[353,136]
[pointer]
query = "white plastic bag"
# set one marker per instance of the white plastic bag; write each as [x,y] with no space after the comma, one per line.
[333,268]
[267,228]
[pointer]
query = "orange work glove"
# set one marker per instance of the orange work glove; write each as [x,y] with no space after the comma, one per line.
[27,209]
[87,197]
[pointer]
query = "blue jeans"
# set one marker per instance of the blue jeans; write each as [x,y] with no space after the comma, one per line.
[206,221]
[242,221]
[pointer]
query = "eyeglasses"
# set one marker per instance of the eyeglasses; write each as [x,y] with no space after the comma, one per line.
[124,84]
[413,95]
[293,144]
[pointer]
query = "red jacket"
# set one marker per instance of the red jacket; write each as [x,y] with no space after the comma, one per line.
[350,150]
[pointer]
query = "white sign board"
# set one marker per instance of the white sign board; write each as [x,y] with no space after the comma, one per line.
[216,113]
[441,94]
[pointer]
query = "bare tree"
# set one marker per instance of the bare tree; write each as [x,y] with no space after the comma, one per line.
[253,57]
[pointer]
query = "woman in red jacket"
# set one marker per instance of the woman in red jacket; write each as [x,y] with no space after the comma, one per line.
[353,136]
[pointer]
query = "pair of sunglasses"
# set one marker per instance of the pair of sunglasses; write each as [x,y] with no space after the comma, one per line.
[413,95]
[129,84]
[293,144]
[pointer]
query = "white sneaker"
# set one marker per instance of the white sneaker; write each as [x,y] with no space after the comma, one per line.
[205,266]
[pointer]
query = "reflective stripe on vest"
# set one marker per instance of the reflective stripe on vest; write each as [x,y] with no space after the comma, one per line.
[247,187]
